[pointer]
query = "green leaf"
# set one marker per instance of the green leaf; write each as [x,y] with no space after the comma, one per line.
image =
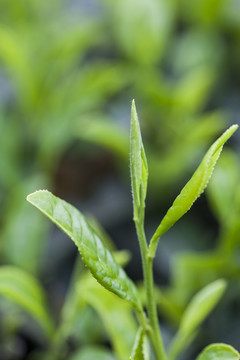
[140,349]
[23,236]
[21,288]
[193,189]
[93,352]
[201,305]
[14,54]
[138,165]
[98,129]
[219,352]
[78,319]
[117,316]
[198,309]
[192,91]
[142,31]
[95,255]
[102,234]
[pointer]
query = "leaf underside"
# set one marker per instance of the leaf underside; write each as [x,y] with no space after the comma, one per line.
[95,255]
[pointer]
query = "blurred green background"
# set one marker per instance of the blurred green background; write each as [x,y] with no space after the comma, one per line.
[68,72]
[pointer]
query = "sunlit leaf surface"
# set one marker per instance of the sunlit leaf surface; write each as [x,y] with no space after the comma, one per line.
[95,255]
[193,189]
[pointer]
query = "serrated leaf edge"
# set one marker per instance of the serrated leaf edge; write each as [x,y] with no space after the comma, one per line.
[119,292]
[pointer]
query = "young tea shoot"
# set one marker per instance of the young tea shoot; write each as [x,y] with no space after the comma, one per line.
[110,275]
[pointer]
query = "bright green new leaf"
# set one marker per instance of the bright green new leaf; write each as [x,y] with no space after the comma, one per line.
[24,290]
[193,189]
[138,165]
[95,255]
[196,312]
[219,352]
[140,349]
[201,305]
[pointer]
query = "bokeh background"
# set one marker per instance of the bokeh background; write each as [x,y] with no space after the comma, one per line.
[68,72]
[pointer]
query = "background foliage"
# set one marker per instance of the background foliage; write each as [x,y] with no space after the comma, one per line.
[68,71]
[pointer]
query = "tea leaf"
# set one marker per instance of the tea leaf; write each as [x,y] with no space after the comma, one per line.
[23,236]
[140,349]
[196,312]
[116,315]
[78,319]
[93,352]
[95,255]
[138,165]
[193,189]
[21,288]
[201,305]
[219,352]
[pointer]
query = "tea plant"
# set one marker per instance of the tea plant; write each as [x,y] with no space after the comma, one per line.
[104,265]
[111,275]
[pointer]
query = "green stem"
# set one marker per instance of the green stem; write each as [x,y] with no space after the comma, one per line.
[154,333]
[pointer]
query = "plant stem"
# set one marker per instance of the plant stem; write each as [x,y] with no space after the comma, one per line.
[147,262]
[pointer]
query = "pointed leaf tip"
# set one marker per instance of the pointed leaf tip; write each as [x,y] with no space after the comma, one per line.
[193,189]
[95,255]
[138,165]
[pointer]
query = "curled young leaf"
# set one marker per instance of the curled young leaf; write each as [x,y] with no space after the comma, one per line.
[138,165]
[193,189]
[24,290]
[140,349]
[219,352]
[95,255]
